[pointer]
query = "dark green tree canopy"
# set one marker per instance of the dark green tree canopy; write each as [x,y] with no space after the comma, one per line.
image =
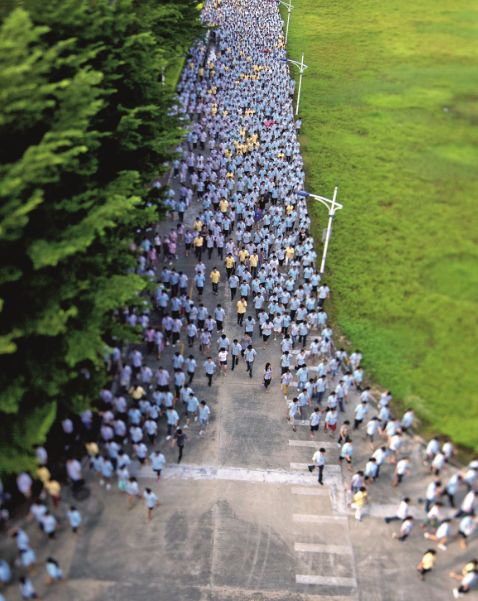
[84,128]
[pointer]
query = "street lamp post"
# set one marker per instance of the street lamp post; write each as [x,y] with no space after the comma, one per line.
[289,7]
[332,206]
[302,67]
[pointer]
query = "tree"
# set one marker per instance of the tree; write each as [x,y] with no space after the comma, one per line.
[83,129]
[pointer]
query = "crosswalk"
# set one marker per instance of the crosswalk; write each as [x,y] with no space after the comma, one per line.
[322,533]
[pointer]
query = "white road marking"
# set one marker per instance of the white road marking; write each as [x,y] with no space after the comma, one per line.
[238,474]
[315,444]
[335,469]
[325,580]
[313,518]
[312,548]
[316,492]
[376,510]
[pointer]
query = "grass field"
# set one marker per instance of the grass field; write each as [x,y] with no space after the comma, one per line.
[390,114]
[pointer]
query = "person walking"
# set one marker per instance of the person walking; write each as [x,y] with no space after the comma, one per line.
[241,308]
[209,369]
[318,459]
[406,528]
[402,511]
[172,421]
[314,421]
[180,439]
[468,579]
[250,355]
[267,376]
[74,518]
[236,349]
[359,502]
[204,415]
[215,277]
[426,563]
[158,461]
[53,570]
[293,412]
[151,501]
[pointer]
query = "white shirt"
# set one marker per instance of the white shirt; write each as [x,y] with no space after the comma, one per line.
[73,468]
[158,461]
[24,483]
[315,418]
[151,499]
[318,458]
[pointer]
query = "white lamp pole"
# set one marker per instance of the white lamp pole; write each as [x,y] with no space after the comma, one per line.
[289,7]
[332,206]
[302,67]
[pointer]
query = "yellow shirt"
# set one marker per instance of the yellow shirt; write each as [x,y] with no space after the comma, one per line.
[223,205]
[253,260]
[289,251]
[43,474]
[360,498]
[53,487]
[215,276]
[243,254]
[137,393]
[229,262]
[241,306]
[92,449]
[198,225]
[198,241]
[428,560]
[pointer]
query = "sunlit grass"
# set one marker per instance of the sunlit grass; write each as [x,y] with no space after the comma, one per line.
[390,114]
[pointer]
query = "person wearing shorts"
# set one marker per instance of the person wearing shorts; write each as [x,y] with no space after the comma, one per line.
[204,414]
[222,358]
[158,461]
[425,565]
[314,421]
[331,421]
[267,375]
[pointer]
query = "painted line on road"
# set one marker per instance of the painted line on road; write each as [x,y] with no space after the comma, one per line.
[237,474]
[312,548]
[376,510]
[312,492]
[315,444]
[313,518]
[334,469]
[302,422]
[325,580]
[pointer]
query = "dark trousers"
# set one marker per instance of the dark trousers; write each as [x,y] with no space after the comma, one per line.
[209,379]
[234,361]
[250,365]
[392,518]
[180,455]
[320,469]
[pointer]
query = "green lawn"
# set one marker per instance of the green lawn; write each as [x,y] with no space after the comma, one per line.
[390,114]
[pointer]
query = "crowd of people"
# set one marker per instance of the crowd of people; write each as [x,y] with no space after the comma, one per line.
[237,215]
